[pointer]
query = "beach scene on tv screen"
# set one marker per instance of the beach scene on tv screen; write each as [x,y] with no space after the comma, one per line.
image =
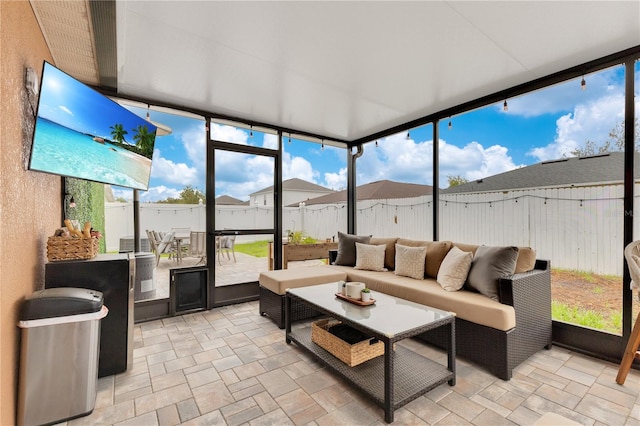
[83,134]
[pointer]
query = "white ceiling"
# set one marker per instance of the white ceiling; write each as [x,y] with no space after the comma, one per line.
[346,70]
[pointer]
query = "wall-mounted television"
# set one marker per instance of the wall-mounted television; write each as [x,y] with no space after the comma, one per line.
[83,134]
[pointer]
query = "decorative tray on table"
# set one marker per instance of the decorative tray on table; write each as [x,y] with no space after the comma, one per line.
[355,301]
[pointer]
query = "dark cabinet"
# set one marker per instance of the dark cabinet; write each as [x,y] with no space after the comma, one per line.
[114,276]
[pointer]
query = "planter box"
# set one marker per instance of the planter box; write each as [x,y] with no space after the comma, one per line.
[293,252]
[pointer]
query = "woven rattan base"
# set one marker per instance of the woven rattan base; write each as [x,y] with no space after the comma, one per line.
[414,375]
[272,306]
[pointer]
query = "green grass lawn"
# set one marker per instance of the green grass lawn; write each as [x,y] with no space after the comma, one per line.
[256,248]
[586,318]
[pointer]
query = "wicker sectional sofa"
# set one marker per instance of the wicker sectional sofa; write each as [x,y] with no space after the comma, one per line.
[496,334]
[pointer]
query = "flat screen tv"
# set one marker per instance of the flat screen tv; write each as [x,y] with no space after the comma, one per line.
[81,133]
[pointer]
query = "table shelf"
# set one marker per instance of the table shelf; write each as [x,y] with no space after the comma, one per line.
[414,375]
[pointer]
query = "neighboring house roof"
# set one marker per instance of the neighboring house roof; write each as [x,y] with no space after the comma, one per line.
[602,168]
[227,200]
[295,184]
[380,190]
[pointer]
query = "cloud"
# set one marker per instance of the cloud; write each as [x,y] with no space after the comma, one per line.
[407,160]
[158,193]
[591,121]
[563,97]
[270,141]
[336,181]
[222,132]
[194,143]
[177,173]
[65,110]
[297,167]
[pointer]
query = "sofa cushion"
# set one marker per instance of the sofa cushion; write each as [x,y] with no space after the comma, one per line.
[410,261]
[454,269]
[488,266]
[468,305]
[279,281]
[390,251]
[347,248]
[370,257]
[436,251]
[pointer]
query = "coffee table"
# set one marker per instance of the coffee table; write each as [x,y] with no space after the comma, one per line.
[401,375]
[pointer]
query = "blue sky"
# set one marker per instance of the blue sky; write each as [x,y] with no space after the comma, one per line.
[540,126]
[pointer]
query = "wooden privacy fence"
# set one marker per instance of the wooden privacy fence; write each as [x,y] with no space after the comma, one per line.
[577,228]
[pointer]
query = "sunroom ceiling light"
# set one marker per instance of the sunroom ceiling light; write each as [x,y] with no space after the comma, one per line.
[583,84]
[505,107]
[408,135]
[450,125]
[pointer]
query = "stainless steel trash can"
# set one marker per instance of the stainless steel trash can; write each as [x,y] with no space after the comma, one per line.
[145,287]
[59,354]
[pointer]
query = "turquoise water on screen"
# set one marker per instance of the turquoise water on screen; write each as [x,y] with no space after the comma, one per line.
[60,150]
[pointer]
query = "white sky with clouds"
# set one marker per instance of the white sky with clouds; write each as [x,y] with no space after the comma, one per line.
[579,115]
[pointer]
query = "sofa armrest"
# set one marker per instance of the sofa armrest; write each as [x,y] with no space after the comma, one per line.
[530,295]
[333,255]
[537,282]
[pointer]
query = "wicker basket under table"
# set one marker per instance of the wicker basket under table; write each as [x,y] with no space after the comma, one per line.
[71,248]
[350,354]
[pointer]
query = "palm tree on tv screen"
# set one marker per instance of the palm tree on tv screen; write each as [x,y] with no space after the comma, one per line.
[117,132]
[144,140]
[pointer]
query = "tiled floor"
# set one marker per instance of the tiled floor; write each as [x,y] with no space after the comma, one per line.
[232,366]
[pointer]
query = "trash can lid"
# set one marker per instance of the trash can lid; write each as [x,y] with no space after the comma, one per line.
[61,301]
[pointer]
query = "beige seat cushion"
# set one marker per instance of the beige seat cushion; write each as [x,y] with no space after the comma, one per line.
[468,305]
[279,281]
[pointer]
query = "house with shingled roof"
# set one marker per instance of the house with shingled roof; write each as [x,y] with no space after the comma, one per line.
[294,191]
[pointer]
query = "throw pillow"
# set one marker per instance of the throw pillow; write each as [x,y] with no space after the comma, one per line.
[488,266]
[454,269]
[347,248]
[410,261]
[370,258]
[390,251]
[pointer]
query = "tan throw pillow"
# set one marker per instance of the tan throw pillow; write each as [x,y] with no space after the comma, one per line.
[454,269]
[410,261]
[390,251]
[436,252]
[369,257]
[526,260]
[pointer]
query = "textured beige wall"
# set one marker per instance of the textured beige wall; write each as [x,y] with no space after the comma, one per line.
[30,202]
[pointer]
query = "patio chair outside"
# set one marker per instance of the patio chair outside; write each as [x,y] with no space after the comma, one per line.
[228,244]
[165,245]
[198,246]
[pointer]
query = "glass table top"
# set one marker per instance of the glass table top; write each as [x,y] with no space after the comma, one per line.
[388,316]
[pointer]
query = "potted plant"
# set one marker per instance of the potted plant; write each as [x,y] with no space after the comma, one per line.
[365,294]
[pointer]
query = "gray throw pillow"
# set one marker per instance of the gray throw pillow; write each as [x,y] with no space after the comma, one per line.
[347,248]
[488,266]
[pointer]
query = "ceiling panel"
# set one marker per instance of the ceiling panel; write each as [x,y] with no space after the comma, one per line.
[346,70]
